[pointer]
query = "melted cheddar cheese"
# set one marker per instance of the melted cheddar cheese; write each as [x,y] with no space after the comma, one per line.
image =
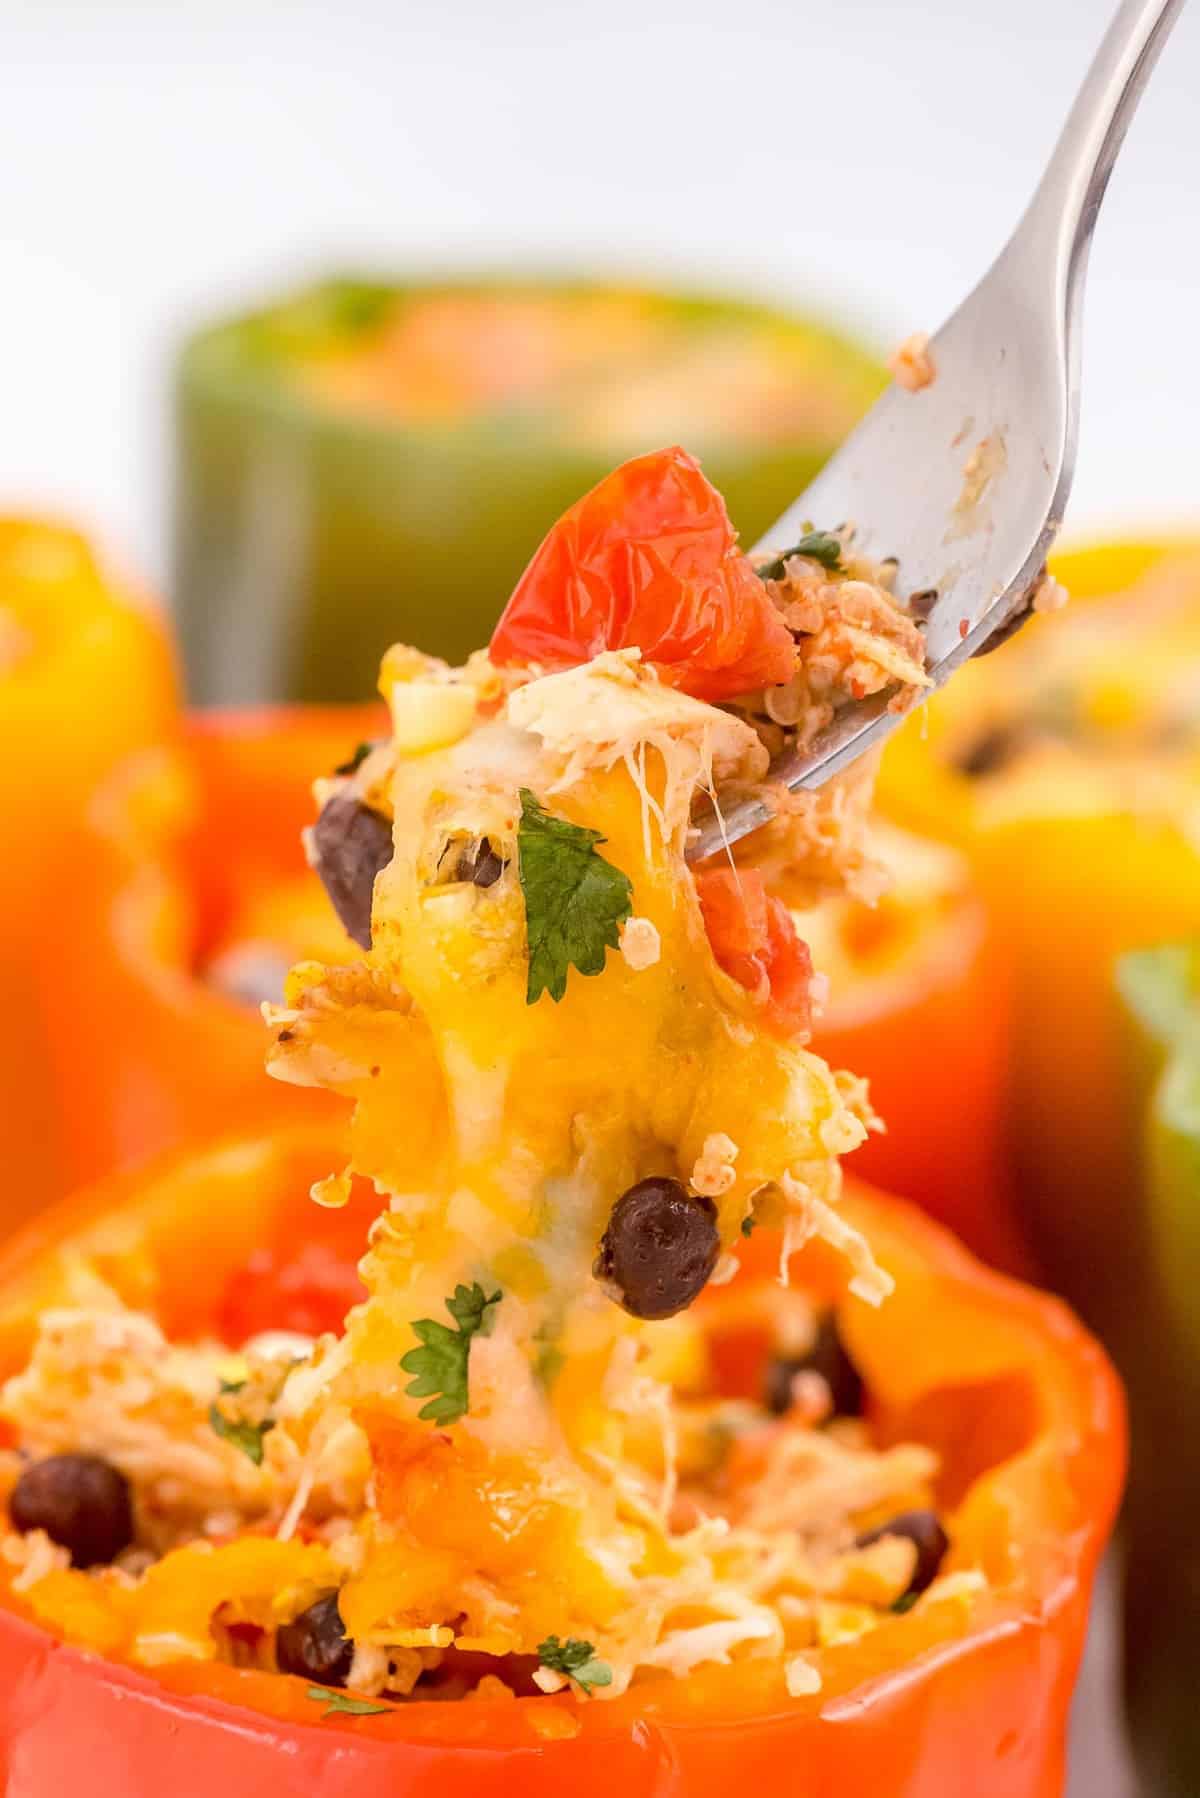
[502,1132]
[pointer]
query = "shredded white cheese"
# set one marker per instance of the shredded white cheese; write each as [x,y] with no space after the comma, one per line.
[614,708]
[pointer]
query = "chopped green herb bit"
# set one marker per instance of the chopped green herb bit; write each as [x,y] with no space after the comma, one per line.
[575,1660]
[246,1436]
[818,546]
[575,901]
[749,1225]
[440,1363]
[355,761]
[905,1602]
[343,1705]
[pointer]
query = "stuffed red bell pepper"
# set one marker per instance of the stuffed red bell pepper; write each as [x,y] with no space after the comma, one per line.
[645,1454]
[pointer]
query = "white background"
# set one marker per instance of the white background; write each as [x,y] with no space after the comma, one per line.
[159,158]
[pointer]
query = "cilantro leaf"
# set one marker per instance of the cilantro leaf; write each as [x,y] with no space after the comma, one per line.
[340,1703]
[440,1363]
[818,546]
[246,1436]
[468,1305]
[355,761]
[749,1225]
[575,901]
[575,1660]
[440,1367]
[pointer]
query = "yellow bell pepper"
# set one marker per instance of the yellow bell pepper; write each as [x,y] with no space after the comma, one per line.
[1066,766]
[86,680]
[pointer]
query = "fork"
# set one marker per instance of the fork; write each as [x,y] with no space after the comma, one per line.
[965,481]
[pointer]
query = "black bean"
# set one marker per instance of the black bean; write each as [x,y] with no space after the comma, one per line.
[351,844]
[659,1249]
[459,1671]
[315,1645]
[828,1357]
[480,864]
[1011,626]
[81,1501]
[923,1529]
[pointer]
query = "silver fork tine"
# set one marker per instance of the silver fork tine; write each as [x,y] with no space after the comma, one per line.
[965,481]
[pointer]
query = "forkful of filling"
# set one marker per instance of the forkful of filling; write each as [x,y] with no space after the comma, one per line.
[578,1062]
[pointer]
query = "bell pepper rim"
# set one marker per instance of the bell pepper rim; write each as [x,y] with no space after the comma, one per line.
[217,363]
[22,1641]
[1098,1413]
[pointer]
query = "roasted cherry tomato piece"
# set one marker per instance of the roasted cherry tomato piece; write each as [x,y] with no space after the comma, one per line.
[649,560]
[754,939]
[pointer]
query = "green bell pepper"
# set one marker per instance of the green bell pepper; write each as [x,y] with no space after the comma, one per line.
[1160,993]
[309,534]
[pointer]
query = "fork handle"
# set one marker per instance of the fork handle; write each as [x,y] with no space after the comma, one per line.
[1061,217]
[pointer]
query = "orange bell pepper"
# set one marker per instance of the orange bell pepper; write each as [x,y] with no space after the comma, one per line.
[1076,873]
[188,850]
[86,679]
[966,1694]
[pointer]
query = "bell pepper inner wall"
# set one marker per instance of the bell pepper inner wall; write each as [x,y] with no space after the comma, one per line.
[934,1042]
[145,1050]
[951,1691]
